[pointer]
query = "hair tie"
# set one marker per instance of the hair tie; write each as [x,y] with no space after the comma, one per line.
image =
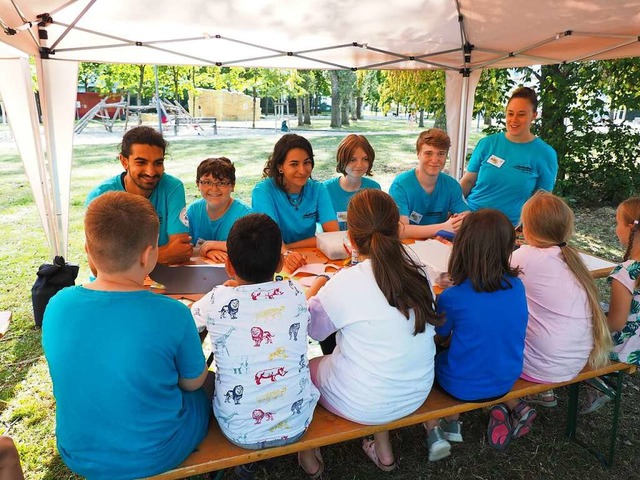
[562,244]
[635,222]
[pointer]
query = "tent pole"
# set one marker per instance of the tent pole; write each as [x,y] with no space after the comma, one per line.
[158,108]
[462,129]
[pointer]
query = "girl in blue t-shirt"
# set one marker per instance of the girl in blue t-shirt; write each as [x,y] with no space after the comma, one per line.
[292,198]
[485,322]
[354,161]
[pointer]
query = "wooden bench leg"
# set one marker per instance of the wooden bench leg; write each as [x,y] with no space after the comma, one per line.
[611,385]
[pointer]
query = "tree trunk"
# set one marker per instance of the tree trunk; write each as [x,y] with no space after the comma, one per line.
[299,111]
[359,101]
[335,100]
[441,122]
[307,109]
[421,118]
[353,108]
[344,111]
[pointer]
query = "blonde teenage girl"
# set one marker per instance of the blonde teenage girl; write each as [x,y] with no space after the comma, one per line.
[567,328]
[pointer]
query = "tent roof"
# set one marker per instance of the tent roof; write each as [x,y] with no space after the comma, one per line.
[407,34]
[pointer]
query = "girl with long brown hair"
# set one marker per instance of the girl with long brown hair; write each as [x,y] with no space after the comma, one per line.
[383,312]
[486,320]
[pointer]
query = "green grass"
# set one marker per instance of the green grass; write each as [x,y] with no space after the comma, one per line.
[26,401]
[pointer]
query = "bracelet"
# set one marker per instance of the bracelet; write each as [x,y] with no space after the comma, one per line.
[324,275]
[287,253]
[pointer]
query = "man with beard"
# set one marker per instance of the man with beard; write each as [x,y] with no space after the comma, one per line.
[142,157]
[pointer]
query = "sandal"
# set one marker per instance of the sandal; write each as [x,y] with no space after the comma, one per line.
[523,416]
[545,399]
[499,431]
[320,471]
[369,447]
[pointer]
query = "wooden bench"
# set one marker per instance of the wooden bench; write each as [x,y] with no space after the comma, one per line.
[5,319]
[217,453]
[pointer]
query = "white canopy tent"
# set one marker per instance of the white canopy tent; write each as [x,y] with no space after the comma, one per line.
[459,36]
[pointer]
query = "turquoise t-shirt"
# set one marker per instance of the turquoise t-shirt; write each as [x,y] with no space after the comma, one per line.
[340,198]
[115,359]
[423,208]
[202,228]
[485,356]
[297,221]
[509,173]
[167,199]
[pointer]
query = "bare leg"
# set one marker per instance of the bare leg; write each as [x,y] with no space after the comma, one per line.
[309,461]
[383,448]
[9,460]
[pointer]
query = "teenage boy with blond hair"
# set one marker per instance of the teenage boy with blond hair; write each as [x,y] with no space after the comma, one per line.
[126,364]
[428,199]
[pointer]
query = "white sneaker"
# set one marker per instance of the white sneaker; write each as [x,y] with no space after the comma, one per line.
[594,402]
[439,447]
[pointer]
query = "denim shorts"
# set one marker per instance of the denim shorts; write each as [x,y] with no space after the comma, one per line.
[278,442]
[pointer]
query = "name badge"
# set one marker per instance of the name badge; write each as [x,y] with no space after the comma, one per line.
[495,161]
[415,217]
[342,216]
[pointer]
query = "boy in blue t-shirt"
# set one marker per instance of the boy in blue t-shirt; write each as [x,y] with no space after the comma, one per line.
[126,364]
[211,217]
[428,199]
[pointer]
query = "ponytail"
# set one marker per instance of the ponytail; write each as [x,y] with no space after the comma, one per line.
[602,343]
[373,222]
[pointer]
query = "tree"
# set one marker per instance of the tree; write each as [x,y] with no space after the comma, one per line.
[420,90]
[597,157]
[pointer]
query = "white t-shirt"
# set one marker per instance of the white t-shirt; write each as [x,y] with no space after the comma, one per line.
[559,336]
[379,371]
[263,389]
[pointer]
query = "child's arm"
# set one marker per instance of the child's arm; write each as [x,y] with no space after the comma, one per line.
[317,284]
[620,306]
[190,384]
[320,325]
[214,250]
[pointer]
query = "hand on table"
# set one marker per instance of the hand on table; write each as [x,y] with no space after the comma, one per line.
[293,261]
[177,250]
[217,256]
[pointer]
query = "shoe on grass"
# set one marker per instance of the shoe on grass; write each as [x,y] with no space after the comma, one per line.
[522,417]
[500,429]
[452,430]
[437,444]
[595,401]
[544,399]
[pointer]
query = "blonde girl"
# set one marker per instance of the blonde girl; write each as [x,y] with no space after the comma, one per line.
[567,328]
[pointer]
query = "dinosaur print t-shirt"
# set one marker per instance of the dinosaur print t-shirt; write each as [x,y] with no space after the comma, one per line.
[263,390]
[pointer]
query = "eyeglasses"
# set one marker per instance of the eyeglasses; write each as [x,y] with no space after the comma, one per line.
[209,183]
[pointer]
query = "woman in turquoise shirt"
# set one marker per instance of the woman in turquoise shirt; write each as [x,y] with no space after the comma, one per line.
[292,198]
[506,168]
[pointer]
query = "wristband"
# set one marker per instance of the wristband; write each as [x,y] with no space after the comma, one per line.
[287,253]
[324,275]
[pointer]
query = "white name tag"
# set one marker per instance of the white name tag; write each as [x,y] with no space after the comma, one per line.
[342,216]
[495,161]
[415,217]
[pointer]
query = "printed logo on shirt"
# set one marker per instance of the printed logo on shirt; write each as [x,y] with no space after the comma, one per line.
[342,216]
[415,217]
[495,161]
[310,214]
[523,168]
[433,214]
[183,217]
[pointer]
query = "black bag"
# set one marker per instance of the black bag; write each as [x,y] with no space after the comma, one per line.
[51,279]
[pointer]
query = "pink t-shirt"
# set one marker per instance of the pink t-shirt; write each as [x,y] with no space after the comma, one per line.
[559,336]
